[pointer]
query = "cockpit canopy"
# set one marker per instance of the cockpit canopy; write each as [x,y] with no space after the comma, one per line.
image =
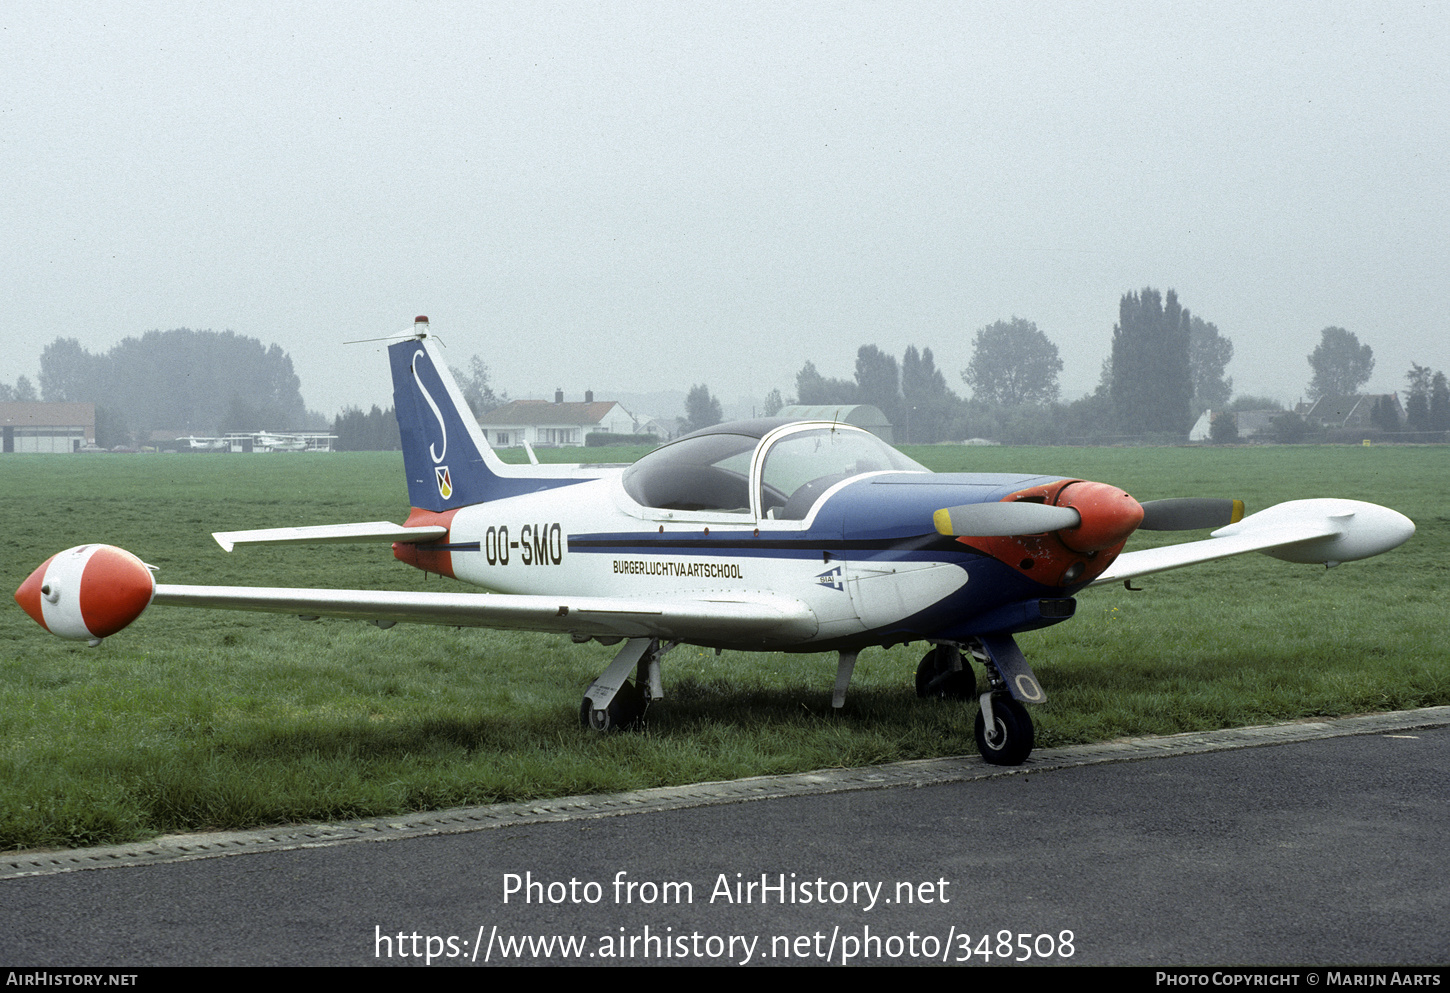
[768,468]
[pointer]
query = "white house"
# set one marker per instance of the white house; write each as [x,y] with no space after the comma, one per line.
[544,424]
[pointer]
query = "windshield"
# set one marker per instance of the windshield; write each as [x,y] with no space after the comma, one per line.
[803,465]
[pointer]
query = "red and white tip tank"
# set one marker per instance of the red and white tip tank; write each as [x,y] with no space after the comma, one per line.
[87,592]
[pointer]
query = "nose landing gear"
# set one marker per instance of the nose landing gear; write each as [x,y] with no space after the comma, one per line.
[1004,731]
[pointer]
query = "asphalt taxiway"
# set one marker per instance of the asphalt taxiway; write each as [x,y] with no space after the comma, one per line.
[1310,843]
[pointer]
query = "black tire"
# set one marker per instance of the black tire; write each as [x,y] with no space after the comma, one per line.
[1012,737]
[625,711]
[935,680]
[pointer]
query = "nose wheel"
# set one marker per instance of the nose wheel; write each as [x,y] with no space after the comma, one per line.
[1009,740]
[1004,732]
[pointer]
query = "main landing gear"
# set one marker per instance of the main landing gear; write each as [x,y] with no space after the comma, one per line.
[1004,729]
[623,712]
[942,675]
[613,704]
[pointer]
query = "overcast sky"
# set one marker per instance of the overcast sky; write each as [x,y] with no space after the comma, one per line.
[633,197]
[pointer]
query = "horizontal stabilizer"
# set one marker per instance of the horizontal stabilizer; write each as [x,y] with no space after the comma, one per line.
[330,533]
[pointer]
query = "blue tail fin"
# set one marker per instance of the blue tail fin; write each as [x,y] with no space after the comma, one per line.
[447,459]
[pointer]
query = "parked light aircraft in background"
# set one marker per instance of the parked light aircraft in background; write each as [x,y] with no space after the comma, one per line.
[757,535]
[273,441]
[195,444]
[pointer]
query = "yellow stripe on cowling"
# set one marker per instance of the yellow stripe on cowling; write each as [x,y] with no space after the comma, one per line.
[1238,513]
[943,521]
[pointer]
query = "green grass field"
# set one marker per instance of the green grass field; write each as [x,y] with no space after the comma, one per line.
[194,720]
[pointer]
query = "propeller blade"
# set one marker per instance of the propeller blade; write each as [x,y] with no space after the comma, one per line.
[1190,514]
[992,520]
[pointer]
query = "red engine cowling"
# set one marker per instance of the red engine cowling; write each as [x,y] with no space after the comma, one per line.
[1071,555]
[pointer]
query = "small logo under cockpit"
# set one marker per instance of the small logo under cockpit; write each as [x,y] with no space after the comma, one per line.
[832,578]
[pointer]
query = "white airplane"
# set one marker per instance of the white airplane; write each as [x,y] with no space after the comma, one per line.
[757,535]
[205,444]
[272,442]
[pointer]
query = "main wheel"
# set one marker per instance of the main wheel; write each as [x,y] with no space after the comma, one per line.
[1011,739]
[934,679]
[625,711]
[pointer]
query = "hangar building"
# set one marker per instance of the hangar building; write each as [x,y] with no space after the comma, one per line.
[32,426]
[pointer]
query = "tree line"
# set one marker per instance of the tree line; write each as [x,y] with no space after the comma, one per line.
[1427,407]
[1166,367]
[192,382]
[208,383]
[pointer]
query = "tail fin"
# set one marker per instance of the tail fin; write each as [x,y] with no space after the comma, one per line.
[446,456]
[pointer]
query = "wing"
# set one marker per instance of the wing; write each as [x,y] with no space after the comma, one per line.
[1312,531]
[92,591]
[761,618]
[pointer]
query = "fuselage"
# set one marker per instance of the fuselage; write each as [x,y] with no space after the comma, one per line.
[864,556]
